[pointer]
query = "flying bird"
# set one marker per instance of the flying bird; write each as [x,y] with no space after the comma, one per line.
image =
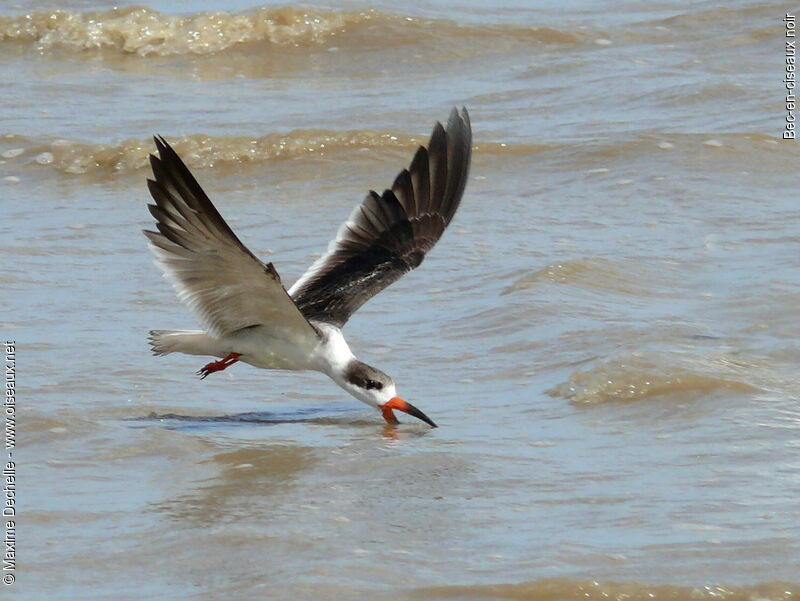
[246,312]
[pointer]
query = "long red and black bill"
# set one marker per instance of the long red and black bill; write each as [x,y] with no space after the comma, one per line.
[406,407]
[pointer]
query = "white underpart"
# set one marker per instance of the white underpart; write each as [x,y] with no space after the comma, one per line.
[330,355]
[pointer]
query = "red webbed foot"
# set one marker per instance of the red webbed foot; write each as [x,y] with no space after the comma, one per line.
[218,365]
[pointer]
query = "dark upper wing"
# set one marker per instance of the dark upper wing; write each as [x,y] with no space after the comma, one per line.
[214,274]
[388,235]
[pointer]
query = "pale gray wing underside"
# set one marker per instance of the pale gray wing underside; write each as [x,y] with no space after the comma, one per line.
[224,285]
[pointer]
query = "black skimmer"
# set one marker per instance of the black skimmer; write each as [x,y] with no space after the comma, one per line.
[247,313]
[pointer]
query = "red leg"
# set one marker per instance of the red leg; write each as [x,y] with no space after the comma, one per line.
[218,365]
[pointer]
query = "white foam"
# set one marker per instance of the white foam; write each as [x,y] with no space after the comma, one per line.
[45,158]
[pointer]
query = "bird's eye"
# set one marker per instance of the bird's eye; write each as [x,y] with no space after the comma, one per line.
[372,384]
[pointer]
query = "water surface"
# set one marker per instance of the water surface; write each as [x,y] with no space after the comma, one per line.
[607,335]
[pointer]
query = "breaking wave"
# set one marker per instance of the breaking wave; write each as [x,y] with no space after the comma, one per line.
[563,589]
[595,273]
[204,151]
[643,376]
[143,31]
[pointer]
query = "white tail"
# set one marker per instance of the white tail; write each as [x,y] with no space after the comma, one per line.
[191,342]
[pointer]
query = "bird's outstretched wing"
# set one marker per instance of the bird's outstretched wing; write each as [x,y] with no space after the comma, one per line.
[389,235]
[224,285]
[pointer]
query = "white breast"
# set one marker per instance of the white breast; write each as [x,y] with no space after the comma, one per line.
[333,354]
[260,349]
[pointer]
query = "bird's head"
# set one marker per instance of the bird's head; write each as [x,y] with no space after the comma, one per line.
[376,388]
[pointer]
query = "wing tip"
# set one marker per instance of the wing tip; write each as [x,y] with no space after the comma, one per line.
[166,153]
[458,124]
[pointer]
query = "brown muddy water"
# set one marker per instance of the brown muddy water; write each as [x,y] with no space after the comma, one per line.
[607,335]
